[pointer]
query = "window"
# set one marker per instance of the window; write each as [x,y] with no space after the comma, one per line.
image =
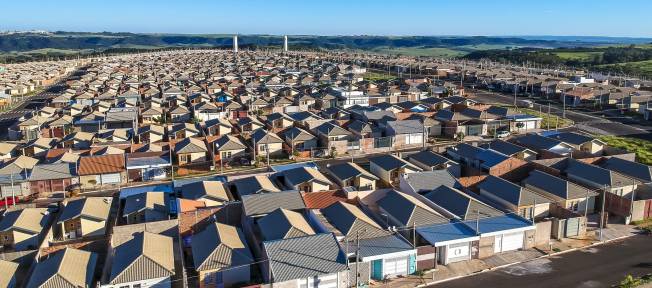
[135,286]
[226,154]
[574,205]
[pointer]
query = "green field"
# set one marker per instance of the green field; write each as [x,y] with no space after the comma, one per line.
[642,66]
[547,122]
[642,148]
[580,56]
[421,51]
[373,76]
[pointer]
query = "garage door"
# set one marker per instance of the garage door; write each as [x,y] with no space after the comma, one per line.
[458,252]
[396,266]
[110,178]
[530,125]
[513,241]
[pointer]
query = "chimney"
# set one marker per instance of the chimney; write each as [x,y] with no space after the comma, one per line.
[235,43]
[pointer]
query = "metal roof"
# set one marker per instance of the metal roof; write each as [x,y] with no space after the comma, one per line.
[258,204]
[499,224]
[220,246]
[377,246]
[70,266]
[303,257]
[439,234]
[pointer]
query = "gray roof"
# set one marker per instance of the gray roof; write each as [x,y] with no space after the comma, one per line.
[148,200]
[510,192]
[64,268]
[52,171]
[348,170]
[262,136]
[505,147]
[229,142]
[460,203]
[351,221]
[571,138]
[428,158]
[330,129]
[390,162]
[406,126]
[537,142]
[633,169]
[304,257]
[284,224]
[257,204]
[556,186]
[407,210]
[190,145]
[212,190]
[300,175]
[298,134]
[379,245]
[597,174]
[220,246]
[252,185]
[428,180]
[145,256]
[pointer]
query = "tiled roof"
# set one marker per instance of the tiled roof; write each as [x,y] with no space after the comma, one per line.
[104,164]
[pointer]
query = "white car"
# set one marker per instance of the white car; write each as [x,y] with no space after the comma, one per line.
[502,134]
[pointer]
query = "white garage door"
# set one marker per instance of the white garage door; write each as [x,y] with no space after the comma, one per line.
[414,138]
[529,125]
[396,266]
[110,178]
[512,241]
[458,252]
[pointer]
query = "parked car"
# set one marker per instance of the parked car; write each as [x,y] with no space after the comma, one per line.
[502,134]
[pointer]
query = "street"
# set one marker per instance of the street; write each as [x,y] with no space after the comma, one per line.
[592,122]
[597,266]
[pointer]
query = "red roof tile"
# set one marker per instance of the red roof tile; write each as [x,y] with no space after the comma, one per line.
[93,165]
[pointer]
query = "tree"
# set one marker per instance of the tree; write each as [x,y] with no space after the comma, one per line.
[460,136]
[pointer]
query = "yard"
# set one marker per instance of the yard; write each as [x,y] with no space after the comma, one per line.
[547,122]
[642,148]
[374,76]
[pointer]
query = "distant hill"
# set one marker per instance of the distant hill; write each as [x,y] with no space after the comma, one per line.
[24,42]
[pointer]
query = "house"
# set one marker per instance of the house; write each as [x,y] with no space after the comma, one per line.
[309,261]
[218,126]
[565,193]
[191,150]
[22,229]
[406,132]
[251,185]
[333,137]
[148,166]
[389,167]
[249,124]
[541,144]
[299,139]
[628,168]
[364,130]
[221,256]
[279,121]
[183,130]
[49,178]
[284,224]
[507,195]
[431,161]
[258,205]
[102,170]
[266,143]
[84,217]
[349,174]
[389,254]
[146,207]
[597,177]
[7,150]
[229,147]
[304,179]
[523,123]
[511,150]
[580,142]
[461,205]
[421,182]
[213,193]
[404,210]
[180,114]
[65,268]
[144,259]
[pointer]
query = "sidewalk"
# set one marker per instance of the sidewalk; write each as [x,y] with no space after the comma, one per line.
[520,261]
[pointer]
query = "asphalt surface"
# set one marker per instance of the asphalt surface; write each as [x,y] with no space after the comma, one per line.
[597,266]
[600,122]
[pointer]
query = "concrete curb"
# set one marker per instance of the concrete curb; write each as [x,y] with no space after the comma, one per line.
[524,261]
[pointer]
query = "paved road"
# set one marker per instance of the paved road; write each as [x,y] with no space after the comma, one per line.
[598,266]
[593,122]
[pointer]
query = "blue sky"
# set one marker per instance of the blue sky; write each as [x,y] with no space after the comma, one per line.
[336,17]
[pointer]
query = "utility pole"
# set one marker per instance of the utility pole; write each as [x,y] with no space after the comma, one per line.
[267,152]
[604,197]
[357,259]
[13,192]
[171,161]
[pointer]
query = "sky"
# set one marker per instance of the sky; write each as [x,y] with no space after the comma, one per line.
[629,18]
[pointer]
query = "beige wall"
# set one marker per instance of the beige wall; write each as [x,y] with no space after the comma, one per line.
[486,247]
[92,228]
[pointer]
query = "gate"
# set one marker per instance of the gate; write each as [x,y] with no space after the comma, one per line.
[572,227]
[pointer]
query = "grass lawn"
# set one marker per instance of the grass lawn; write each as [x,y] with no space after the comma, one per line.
[581,56]
[642,148]
[373,76]
[547,121]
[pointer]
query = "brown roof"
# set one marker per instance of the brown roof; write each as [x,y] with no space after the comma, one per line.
[319,200]
[103,164]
